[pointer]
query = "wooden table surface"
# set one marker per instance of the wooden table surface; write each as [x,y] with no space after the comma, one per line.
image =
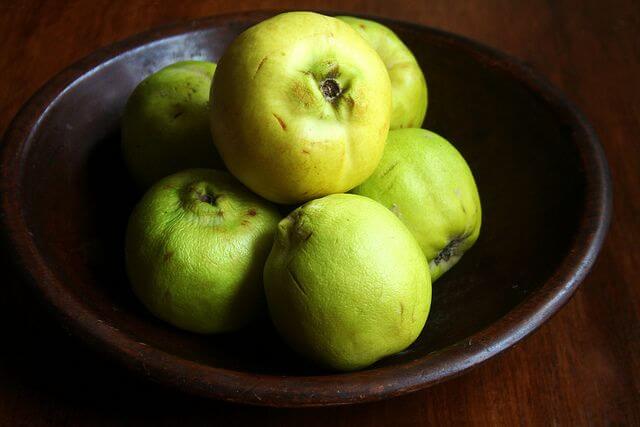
[581,368]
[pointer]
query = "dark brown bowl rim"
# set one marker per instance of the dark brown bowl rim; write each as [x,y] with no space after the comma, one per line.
[269,390]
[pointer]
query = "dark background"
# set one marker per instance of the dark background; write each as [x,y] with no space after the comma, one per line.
[582,367]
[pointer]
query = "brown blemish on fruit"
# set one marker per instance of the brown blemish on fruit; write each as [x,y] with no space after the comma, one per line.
[167,256]
[252,212]
[302,94]
[178,114]
[362,26]
[304,151]
[296,281]
[389,169]
[259,66]
[220,213]
[283,125]
[244,222]
[448,251]
[393,182]
[349,100]
[401,65]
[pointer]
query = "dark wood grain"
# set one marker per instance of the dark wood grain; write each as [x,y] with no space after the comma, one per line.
[581,367]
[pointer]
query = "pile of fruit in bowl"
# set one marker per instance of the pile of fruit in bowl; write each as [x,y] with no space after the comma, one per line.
[294,179]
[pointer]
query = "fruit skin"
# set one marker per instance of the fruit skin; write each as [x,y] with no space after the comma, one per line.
[346,282]
[408,85]
[195,248]
[427,183]
[274,127]
[165,127]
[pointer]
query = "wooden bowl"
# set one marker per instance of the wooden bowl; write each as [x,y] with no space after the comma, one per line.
[541,171]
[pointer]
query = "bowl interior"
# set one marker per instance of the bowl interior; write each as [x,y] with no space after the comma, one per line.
[77,197]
